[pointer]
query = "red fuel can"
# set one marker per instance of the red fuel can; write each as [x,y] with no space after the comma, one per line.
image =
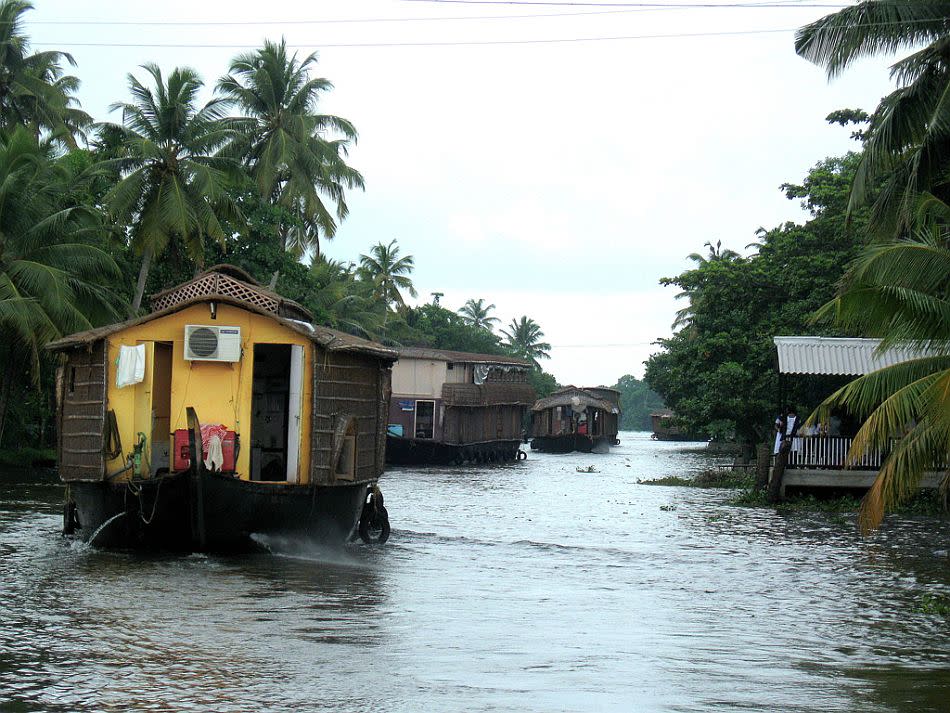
[182,451]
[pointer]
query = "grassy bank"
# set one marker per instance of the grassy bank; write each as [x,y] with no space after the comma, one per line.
[925,502]
[712,478]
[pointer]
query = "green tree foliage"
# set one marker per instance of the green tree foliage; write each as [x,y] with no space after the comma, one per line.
[34,91]
[431,325]
[637,402]
[524,339]
[173,185]
[717,371]
[899,291]
[388,272]
[286,145]
[907,145]
[898,288]
[478,314]
[53,277]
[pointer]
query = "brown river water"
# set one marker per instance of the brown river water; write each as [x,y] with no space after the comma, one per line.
[526,587]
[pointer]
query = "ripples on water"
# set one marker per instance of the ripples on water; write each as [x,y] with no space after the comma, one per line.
[527,587]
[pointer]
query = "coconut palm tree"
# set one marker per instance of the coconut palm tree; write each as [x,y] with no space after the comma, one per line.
[342,302]
[715,253]
[899,291]
[907,145]
[524,338]
[476,313]
[34,91]
[286,144]
[173,183]
[53,280]
[388,273]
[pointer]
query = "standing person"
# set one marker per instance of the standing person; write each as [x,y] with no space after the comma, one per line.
[784,425]
[790,430]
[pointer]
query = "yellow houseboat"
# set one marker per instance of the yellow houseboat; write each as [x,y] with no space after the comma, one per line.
[221,414]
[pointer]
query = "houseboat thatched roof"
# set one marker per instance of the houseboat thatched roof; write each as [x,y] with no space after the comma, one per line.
[461,357]
[574,396]
[488,394]
[329,339]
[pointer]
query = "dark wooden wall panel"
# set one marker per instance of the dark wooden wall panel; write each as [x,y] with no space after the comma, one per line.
[82,420]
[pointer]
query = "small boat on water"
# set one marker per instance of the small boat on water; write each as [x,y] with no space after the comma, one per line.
[576,419]
[455,407]
[222,414]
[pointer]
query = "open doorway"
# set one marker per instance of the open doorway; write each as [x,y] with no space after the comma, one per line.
[425,419]
[270,411]
[161,407]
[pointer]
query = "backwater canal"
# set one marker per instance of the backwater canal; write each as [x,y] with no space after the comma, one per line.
[526,587]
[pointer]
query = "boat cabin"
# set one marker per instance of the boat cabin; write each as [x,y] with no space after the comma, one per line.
[450,406]
[281,403]
[577,419]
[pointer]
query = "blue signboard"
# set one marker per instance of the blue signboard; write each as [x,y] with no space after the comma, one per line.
[407,405]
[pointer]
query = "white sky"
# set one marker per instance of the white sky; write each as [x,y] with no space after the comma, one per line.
[559,180]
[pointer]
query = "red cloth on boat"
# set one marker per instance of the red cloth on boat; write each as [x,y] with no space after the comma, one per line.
[212,429]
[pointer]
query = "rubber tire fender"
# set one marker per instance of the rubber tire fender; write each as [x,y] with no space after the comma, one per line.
[379,518]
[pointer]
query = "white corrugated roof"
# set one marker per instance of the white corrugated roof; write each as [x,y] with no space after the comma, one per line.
[837,355]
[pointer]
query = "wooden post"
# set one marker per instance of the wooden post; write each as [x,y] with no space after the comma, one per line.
[778,471]
[763,456]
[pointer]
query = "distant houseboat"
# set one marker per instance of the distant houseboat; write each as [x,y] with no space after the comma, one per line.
[577,419]
[665,428]
[221,414]
[454,407]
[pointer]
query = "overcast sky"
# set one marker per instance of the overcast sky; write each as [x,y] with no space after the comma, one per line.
[556,179]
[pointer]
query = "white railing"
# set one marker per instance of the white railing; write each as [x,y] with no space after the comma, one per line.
[829,452]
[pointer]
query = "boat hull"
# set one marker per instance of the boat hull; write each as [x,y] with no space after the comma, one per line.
[220,514]
[573,442]
[416,451]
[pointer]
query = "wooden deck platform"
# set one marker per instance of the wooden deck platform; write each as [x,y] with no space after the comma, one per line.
[827,478]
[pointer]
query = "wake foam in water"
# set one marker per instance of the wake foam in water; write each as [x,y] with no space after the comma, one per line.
[305,549]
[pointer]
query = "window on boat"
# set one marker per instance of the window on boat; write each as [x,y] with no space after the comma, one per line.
[346,464]
[425,419]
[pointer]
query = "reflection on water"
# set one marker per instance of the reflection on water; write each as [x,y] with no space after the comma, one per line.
[523,587]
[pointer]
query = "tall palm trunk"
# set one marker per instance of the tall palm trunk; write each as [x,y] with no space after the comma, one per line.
[140,285]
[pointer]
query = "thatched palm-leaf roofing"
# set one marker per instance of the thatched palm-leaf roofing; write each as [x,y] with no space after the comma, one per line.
[475,395]
[575,397]
[329,339]
[461,357]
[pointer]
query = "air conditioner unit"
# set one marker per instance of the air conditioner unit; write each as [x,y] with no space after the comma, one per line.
[212,343]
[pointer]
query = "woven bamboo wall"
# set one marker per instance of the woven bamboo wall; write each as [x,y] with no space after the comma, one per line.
[82,418]
[494,394]
[349,385]
[482,424]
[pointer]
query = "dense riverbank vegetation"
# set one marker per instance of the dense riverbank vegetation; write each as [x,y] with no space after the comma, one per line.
[717,371]
[637,402]
[885,213]
[94,217]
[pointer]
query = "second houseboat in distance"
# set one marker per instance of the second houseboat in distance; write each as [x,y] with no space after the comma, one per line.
[455,407]
[577,419]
